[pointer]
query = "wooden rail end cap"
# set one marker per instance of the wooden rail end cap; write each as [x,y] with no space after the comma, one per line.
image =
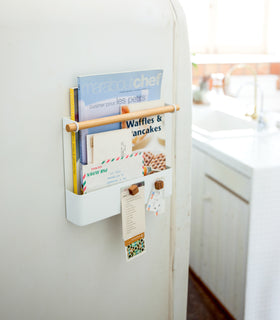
[70,127]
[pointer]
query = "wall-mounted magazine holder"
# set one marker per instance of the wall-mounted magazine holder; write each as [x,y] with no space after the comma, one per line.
[105,202]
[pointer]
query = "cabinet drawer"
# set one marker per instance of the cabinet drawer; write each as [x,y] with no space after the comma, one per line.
[227,177]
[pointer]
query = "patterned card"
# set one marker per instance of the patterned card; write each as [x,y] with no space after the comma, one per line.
[135,246]
[156,203]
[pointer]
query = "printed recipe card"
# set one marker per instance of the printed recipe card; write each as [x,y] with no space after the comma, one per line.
[133,221]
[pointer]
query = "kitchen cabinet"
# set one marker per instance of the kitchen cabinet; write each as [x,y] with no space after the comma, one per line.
[219,229]
[235,221]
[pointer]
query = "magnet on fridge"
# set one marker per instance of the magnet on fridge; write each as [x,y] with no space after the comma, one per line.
[159,184]
[133,189]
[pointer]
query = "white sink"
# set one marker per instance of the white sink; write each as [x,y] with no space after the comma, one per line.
[212,123]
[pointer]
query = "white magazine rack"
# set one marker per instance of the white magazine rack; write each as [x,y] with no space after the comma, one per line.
[105,202]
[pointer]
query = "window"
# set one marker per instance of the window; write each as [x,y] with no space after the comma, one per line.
[239,26]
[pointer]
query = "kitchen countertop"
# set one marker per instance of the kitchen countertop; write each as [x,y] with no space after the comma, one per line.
[244,154]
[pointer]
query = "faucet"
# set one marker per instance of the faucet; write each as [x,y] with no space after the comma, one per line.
[254,115]
[260,116]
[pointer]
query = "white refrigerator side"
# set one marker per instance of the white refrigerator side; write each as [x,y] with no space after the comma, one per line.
[50,268]
[180,214]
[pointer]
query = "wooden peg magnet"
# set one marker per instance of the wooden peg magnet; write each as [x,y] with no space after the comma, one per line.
[133,189]
[159,184]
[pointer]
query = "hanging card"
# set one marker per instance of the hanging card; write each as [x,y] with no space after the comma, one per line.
[156,201]
[133,221]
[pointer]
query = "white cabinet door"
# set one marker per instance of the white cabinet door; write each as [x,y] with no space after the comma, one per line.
[224,245]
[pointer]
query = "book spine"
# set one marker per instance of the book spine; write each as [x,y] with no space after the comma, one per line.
[73,140]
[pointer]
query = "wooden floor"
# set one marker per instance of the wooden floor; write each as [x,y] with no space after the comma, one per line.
[200,305]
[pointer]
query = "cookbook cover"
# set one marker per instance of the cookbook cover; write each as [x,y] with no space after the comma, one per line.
[103,95]
[148,135]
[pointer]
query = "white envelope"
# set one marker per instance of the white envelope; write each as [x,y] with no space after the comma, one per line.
[112,171]
[108,144]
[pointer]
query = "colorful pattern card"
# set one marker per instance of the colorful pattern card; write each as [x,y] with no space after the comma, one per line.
[156,203]
[112,171]
[133,221]
[135,246]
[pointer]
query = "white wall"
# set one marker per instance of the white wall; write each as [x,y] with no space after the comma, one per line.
[51,269]
[273,44]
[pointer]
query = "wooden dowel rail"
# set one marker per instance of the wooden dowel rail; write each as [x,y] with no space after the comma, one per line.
[70,127]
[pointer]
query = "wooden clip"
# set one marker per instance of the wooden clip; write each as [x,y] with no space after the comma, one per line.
[133,190]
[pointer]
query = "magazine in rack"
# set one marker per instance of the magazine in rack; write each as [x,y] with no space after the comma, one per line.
[103,95]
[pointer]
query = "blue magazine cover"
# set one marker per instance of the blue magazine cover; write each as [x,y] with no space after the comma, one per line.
[103,95]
